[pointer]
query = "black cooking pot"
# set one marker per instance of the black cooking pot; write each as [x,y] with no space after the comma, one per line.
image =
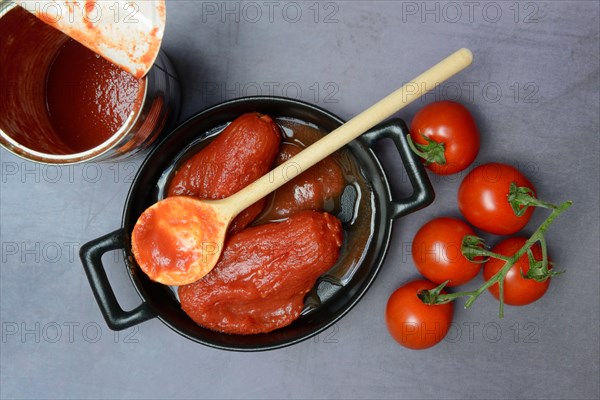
[334,294]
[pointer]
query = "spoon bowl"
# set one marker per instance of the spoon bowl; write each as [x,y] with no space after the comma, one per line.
[182,236]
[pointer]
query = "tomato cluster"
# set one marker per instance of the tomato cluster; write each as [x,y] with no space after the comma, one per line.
[445,136]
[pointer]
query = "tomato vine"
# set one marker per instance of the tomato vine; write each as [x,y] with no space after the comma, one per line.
[474,248]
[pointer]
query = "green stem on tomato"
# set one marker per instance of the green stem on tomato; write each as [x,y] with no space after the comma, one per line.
[544,247]
[538,235]
[501,295]
[474,250]
[432,152]
[521,198]
[539,270]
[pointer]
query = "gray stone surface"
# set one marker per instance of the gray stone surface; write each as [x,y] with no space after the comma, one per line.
[534,89]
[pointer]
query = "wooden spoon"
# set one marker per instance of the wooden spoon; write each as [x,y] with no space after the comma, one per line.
[179,239]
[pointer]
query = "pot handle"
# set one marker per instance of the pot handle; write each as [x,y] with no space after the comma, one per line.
[91,256]
[423,194]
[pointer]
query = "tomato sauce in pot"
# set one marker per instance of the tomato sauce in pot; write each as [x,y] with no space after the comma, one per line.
[337,187]
[308,242]
[260,281]
[318,188]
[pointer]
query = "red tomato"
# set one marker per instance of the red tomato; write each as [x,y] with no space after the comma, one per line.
[411,322]
[483,198]
[518,291]
[453,125]
[436,252]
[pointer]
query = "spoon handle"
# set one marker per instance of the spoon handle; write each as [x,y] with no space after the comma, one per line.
[352,129]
